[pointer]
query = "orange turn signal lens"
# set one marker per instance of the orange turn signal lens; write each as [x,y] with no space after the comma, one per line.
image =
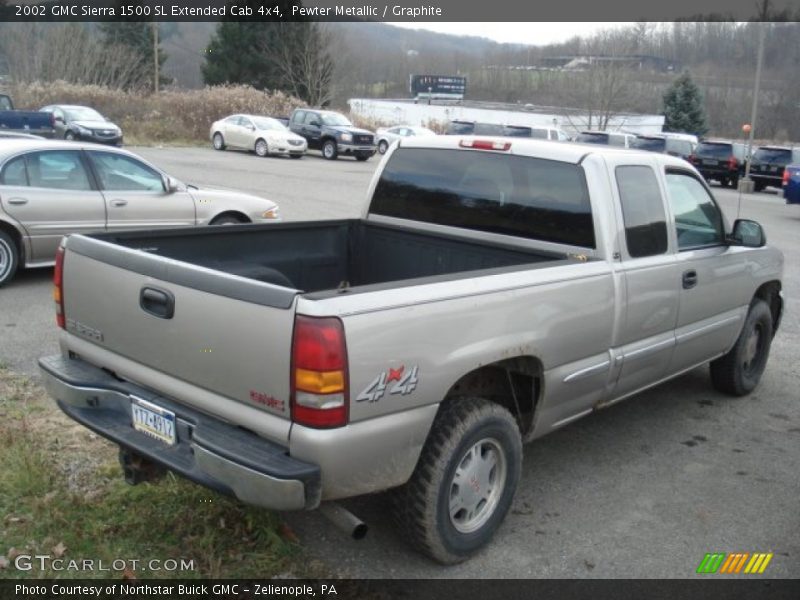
[319,382]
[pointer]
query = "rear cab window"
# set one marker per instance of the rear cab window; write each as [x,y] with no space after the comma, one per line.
[520,196]
[773,155]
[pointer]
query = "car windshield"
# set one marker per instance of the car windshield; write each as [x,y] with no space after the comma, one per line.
[707,150]
[82,113]
[268,124]
[775,156]
[335,119]
[650,144]
[592,138]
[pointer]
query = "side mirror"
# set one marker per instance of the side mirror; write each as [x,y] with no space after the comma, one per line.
[315,124]
[747,233]
[58,119]
[170,185]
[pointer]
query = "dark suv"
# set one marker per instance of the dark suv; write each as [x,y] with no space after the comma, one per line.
[768,163]
[332,133]
[474,128]
[720,160]
[663,144]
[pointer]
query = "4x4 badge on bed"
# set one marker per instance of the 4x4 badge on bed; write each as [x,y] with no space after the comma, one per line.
[399,381]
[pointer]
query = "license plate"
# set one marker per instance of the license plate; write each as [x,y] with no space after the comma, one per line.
[153,420]
[710,162]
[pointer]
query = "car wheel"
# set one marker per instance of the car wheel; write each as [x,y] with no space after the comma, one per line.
[227,220]
[329,150]
[383,146]
[218,141]
[759,186]
[70,136]
[735,183]
[739,371]
[262,149]
[9,258]
[723,182]
[464,482]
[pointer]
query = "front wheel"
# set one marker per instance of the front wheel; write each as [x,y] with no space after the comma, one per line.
[261,148]
[70,136]
[464,482]
[329,150]
[739,371]
[218,141]
[9,258]
[383,146]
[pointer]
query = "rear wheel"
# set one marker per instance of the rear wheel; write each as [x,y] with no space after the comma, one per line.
[759,186]
[383,146]
[724,182]
[739,371]
[9,258]
[218,141]
[261,148]
[735,182]
[464,482]
[329,150]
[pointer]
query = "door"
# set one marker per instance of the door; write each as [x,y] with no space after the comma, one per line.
[312,130]
[646,337]
[234,132]
[135,194]
[51,194]
[247,133]
[713,299]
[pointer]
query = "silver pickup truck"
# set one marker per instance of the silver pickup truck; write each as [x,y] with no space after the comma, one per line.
[493,291]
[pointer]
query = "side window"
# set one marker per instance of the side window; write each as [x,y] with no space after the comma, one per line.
[616,140]
[697,218]
[311,117]
[15,173]
[121,173]
[642,210]
[232,120]
[299,116]
[57,169]
[246,123]
[5,103]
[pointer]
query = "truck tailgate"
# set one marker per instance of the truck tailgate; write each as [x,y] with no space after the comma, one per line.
[227,335]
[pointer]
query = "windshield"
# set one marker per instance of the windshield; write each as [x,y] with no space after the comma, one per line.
[592,138]
[773,156]
[650,144]
[706,150]
[268,124]
[335,119]
[80,113]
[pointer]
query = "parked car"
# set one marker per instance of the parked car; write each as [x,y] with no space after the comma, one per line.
[662,143]
[487,297]
[263,135]
[768,162]
[791,184]
[5,135]
[386,135]
[458,127]
[32,122]
[720,160]
[624,140]
[537,133]
[332,133]
[81,123]
[49,189]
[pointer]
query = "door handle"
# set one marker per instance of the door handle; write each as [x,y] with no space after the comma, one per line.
[157,302]
[689,279]
[18,201]
[119,203]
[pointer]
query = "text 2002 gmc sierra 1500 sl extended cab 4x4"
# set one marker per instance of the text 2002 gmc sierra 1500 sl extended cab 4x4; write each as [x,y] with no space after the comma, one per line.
[493,291]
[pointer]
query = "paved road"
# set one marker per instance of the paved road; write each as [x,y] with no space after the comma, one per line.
[643,489]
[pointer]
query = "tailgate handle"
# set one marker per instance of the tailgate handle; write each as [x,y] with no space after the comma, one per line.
[159,303]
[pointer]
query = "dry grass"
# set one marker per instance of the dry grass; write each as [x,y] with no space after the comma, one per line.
[173,116]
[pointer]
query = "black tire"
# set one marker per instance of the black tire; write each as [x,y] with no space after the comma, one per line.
[461,428]
[383,146]
[759,186]
[70,136]
[261,148]
[218,141]
[362,157]
[329,150]
[735,183]
[724,182]
[9,258]
[739,371]
[227,220]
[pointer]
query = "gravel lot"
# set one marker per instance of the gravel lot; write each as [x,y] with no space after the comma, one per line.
[643,489]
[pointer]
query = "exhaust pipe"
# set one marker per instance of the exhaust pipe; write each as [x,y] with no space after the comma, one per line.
[344,520]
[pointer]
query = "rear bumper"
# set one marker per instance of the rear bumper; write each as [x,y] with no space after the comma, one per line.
[208,451]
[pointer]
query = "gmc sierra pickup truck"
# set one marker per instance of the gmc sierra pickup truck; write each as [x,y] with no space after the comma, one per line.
[493,291]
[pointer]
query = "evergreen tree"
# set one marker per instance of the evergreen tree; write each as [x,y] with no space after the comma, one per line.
[138,38]
[234,56]
[683,107]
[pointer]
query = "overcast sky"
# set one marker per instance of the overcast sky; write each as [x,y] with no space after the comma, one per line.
[517,33]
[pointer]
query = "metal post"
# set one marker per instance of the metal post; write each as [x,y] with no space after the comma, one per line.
[754,112]
[155,56]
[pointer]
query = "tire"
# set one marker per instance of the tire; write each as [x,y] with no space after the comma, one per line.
[462,429]
[218,141]
[383,146]
[261,148]
[735,183]
[362,157]
[9,258]
[227,220]
[70,136]
[739,371]
[724,182]
[759,186]
[329,150]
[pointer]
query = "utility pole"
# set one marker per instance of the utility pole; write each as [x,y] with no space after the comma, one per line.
[754,111]
[155,56]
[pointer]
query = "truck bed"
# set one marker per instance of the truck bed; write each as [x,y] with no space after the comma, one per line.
[325,257]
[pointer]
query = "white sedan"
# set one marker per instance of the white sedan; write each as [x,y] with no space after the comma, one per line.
[263,135]
[386,135]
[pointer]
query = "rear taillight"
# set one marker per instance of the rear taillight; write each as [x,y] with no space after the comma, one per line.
[319,373]
[733,163]
[485,145]
[786,176]
[58,288]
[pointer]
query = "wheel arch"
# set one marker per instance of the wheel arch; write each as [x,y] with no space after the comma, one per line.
[770,292]
[17,237]
[231,213]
